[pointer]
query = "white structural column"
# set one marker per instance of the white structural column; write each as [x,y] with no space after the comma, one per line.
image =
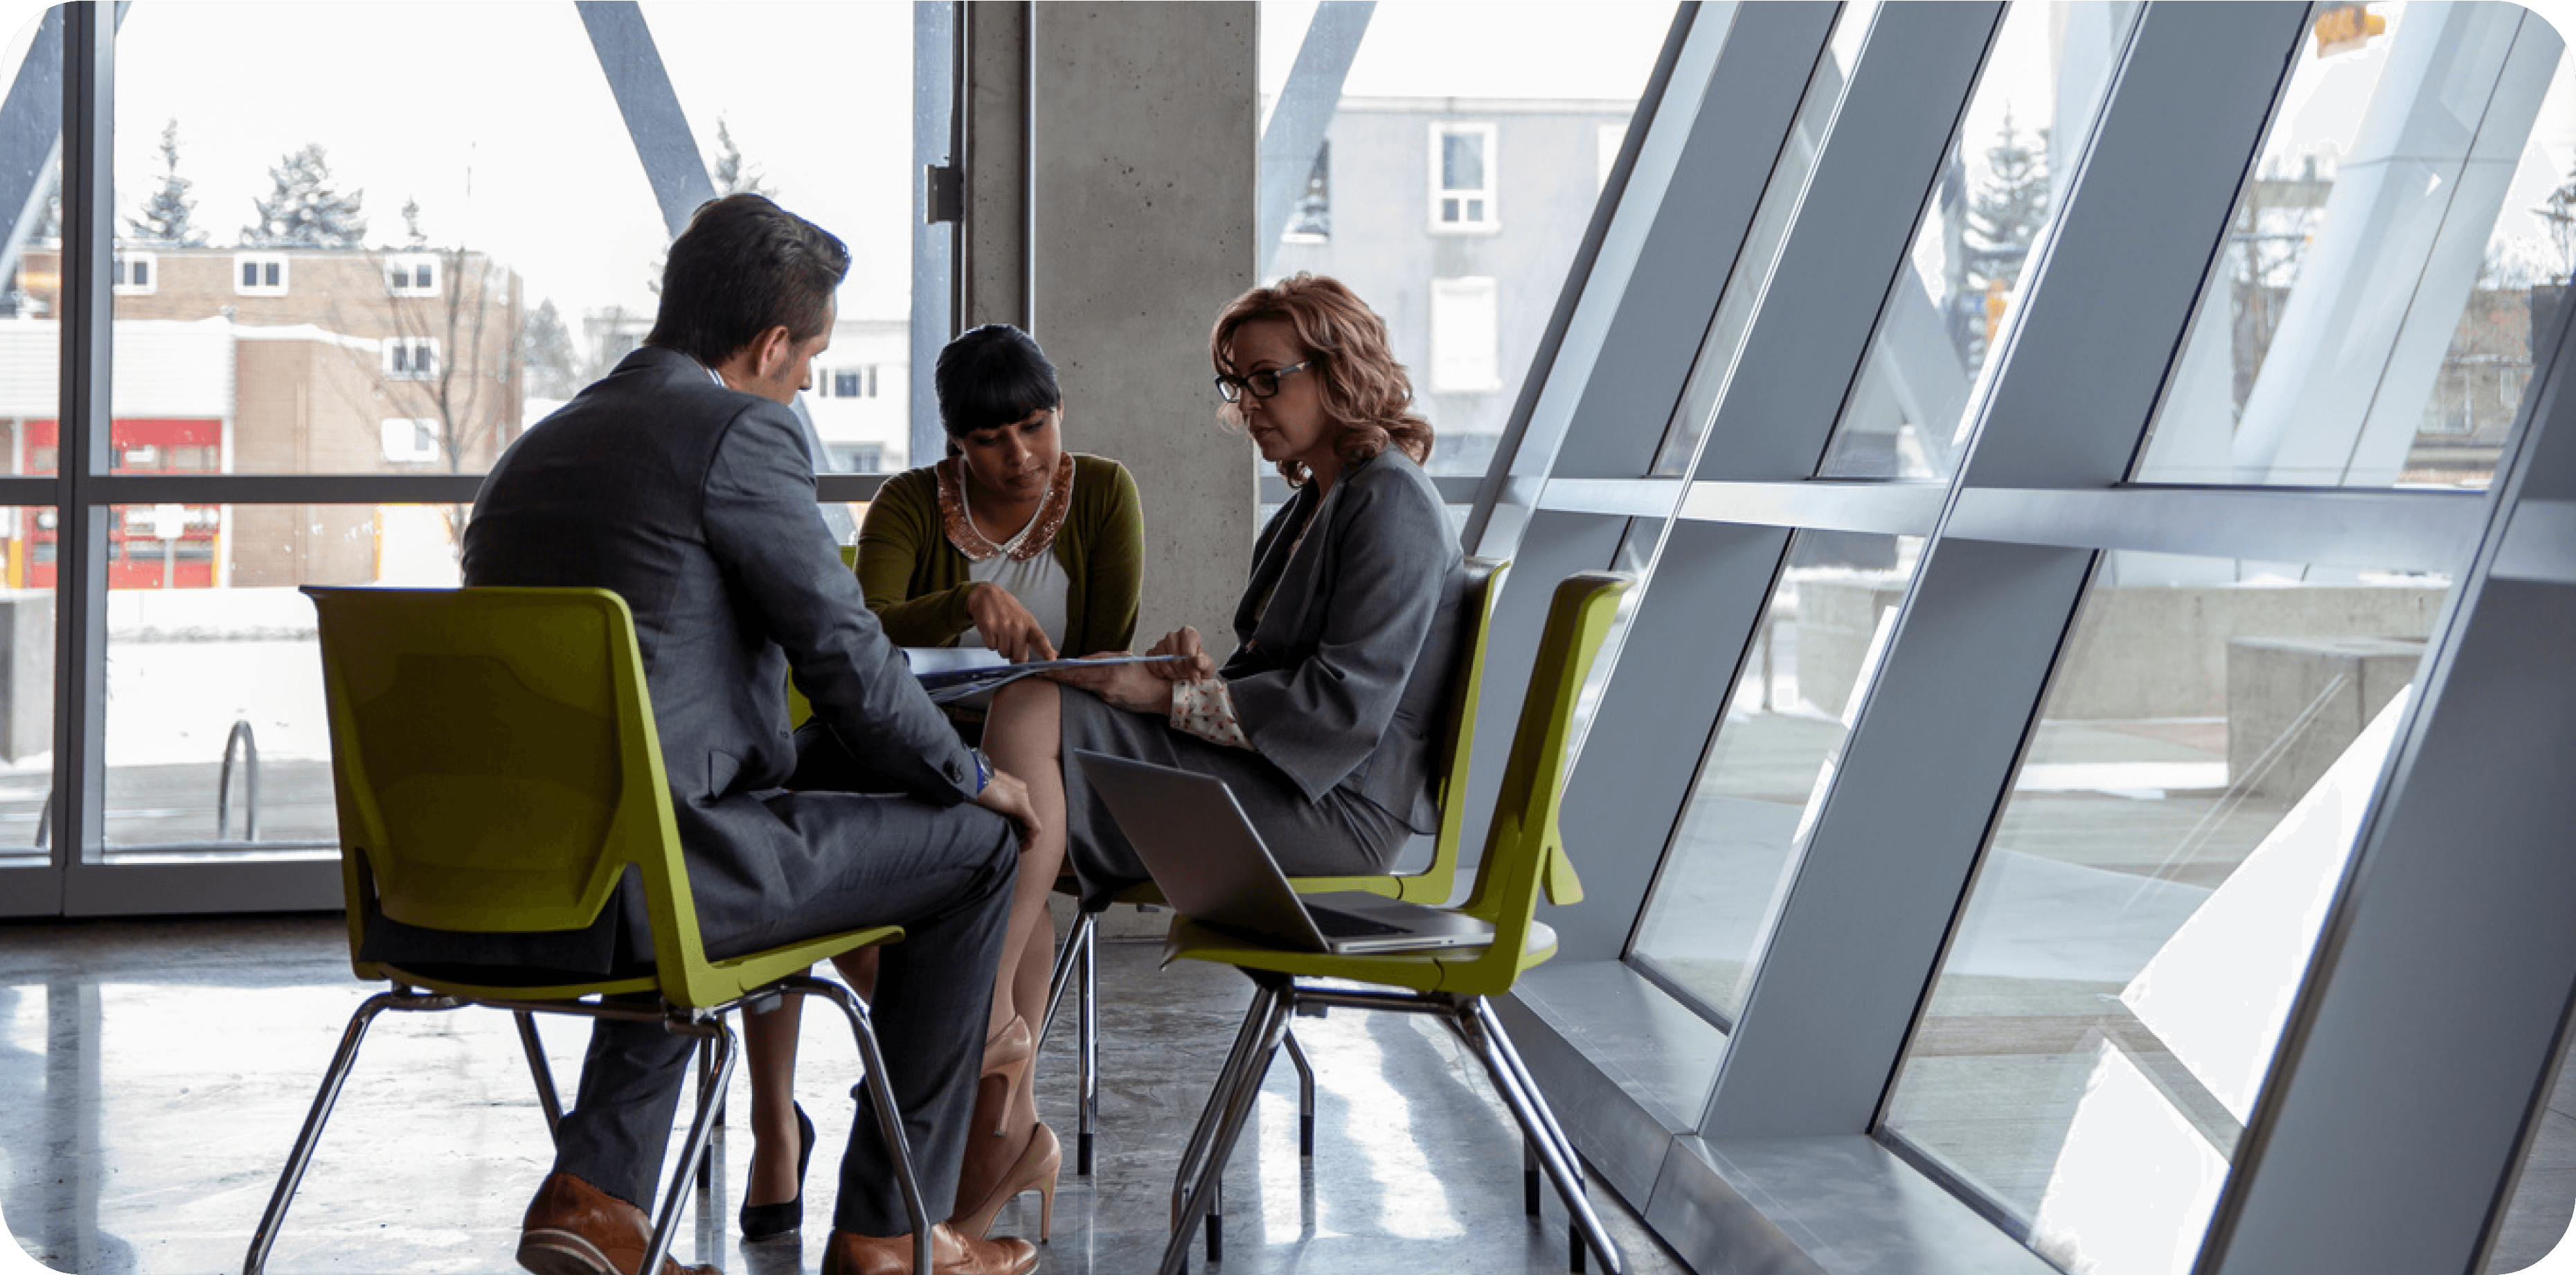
[2343,387]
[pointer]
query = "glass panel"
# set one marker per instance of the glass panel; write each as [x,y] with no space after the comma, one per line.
[2146,908]
[2540,1222]
[1772,759]
[2407,233]
[26,694]
[1762,240]
[2026,124]
[750,92]
[1537,90]
[534,239]
[212,670]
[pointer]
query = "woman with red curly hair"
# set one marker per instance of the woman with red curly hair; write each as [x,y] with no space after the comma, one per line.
[1323,721]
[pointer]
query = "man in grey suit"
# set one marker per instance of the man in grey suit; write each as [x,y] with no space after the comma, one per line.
[682,482]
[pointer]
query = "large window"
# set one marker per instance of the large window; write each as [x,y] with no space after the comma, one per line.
[2402,243]
[1772,760]
[332,308]
[2014,154]
[2154,886]
[1459,150]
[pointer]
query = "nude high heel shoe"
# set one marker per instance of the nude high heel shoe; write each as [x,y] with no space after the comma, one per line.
[1039,1165]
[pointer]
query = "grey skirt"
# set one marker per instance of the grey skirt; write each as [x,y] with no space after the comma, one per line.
[1342,835]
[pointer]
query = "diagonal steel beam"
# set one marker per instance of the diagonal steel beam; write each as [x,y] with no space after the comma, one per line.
[628,56]
[1305,111]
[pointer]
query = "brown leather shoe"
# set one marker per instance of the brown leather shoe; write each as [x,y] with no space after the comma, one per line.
[574,1228]
[849,1253]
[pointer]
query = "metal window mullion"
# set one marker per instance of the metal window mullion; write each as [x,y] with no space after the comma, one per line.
[2427,531]
[84,437]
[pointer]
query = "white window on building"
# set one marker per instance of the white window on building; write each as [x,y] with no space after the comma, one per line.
[852,382]
[411,439]
[1613,136]
[411,358]
[259,274]
[1462,179]
[1466,336]
[412,275]
[134,273]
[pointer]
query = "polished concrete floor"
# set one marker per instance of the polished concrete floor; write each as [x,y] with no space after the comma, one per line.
[153,1075]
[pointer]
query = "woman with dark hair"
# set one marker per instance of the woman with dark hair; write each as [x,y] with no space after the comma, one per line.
[1013,543]
[1323,721]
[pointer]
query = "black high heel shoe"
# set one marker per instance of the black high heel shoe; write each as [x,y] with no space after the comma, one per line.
[769,1221]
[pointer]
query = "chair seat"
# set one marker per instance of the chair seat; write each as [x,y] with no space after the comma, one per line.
[1447,969]
[742,973]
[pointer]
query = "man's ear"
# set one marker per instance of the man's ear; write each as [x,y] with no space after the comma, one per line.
[771,350]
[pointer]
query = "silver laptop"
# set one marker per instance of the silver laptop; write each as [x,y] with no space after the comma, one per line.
[1211,865]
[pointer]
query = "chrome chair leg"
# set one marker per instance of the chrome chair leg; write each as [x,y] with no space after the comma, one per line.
[1087,1066]
[1061,977]
[539,1072]
[711,1087]
[1493,1027]
[1233,1104]
[889,1117]
[1305,1096]
[1246,1040]
[1482,1031]
[342,1061]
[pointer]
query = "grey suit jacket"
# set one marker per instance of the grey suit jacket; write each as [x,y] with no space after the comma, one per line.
[1342,681]
[695,503]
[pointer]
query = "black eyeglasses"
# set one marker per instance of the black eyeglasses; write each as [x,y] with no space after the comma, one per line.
[1260,384]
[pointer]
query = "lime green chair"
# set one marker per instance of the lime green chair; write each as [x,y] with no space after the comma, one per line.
[496,770]
[1078,959]
[1524,853]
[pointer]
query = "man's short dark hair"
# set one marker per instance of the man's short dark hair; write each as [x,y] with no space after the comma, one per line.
[744,266]
[992,376]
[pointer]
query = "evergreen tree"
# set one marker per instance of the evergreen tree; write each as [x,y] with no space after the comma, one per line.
[545,350]
[733,176]
[304,210]
[2006,208]
[169,217]
[412,237]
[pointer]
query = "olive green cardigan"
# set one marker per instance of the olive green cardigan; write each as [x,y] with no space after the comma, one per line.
[916,581]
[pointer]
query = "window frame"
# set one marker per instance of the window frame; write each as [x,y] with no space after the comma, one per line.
[285,269]
[120,267]
[1489,192]
[397,368]
[409,265]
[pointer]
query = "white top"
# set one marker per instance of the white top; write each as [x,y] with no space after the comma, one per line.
[1040,584]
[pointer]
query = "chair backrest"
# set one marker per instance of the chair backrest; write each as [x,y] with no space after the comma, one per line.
[1523,849]
[495,764]
[1458,731]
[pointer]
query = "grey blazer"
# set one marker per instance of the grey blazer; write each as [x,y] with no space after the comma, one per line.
[695,503]
[1343,678]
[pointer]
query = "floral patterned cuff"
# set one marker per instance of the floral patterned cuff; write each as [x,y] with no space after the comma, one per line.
[1205,707]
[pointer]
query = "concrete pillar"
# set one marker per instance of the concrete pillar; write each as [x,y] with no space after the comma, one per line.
[1147,117]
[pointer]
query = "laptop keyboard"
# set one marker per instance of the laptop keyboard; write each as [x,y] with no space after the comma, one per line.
[1343,925]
